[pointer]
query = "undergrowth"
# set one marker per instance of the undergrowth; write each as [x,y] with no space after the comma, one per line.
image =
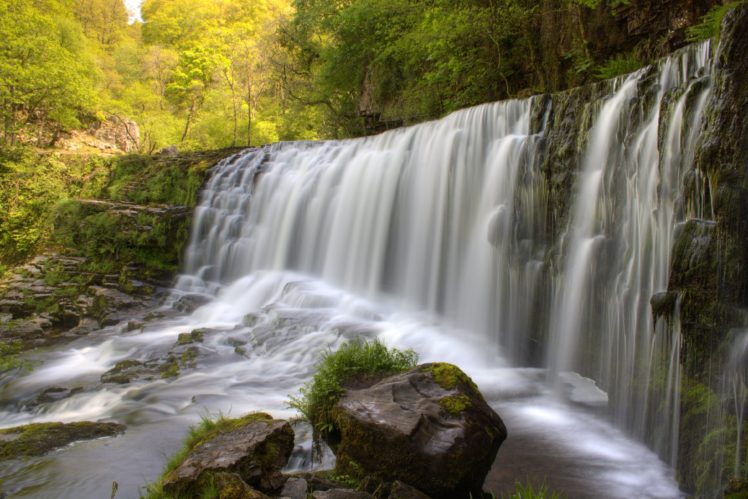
[357,361]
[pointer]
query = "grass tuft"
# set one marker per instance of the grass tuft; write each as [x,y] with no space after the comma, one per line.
[355,362]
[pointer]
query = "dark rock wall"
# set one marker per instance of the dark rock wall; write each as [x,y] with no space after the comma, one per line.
[710,259]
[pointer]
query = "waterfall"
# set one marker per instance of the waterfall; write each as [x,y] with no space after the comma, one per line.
[522,240]
[450,216]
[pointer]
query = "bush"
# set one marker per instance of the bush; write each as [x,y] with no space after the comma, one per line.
[355,362]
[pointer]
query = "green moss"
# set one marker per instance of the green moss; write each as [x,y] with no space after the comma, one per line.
[188,357]
[448,375]
[170,369]
[455,404]
[9,355]
[39,438]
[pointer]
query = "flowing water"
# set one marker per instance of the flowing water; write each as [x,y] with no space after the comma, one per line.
[436,238]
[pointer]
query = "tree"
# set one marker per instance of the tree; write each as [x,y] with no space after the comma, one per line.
[46,71]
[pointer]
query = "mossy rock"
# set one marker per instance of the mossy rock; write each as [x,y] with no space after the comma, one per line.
[254,447]
[39,438]
[429,427]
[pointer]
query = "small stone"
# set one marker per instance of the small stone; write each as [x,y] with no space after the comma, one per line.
[295,488]
[134,325]
[400,490]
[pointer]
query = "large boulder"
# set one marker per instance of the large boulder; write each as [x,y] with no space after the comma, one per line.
[429,427]
[255,450]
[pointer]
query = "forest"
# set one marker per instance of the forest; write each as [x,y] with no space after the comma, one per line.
[207,74]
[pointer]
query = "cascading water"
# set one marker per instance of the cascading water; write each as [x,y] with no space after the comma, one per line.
[434,237]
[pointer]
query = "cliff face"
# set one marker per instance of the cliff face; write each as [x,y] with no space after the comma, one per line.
[707,291]
[710,271]
[648,29]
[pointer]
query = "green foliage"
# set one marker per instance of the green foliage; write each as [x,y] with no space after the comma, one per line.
[710,24]
[617,65]
[528,491]
[9,356]
[354,362]
[31,185]
[47,71]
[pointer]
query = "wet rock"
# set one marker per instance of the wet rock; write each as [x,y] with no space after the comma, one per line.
[341,494]
[55,393]
[39,438]
[429,427]
[134,325]
[187,338]
[231,486]
[400,490]
[85,326]
[255,447]
[123,372]
[190,303]
[294,488]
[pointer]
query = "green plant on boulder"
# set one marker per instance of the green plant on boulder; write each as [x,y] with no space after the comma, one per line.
[354,363]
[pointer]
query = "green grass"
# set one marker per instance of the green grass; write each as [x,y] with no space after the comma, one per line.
[357,361]
[523,491]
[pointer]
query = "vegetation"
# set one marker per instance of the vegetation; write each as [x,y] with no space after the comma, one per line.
[9,355]
[354,363]
[710,24]
[39,438]
[524,491]
[618,65]
[203,74]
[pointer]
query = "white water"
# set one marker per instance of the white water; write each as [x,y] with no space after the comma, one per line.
[433,238]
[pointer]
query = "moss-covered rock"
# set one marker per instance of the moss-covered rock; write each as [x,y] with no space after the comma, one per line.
[254,448]
[428,427]
[39,438]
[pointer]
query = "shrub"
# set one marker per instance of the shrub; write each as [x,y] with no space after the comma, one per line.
[354,362]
